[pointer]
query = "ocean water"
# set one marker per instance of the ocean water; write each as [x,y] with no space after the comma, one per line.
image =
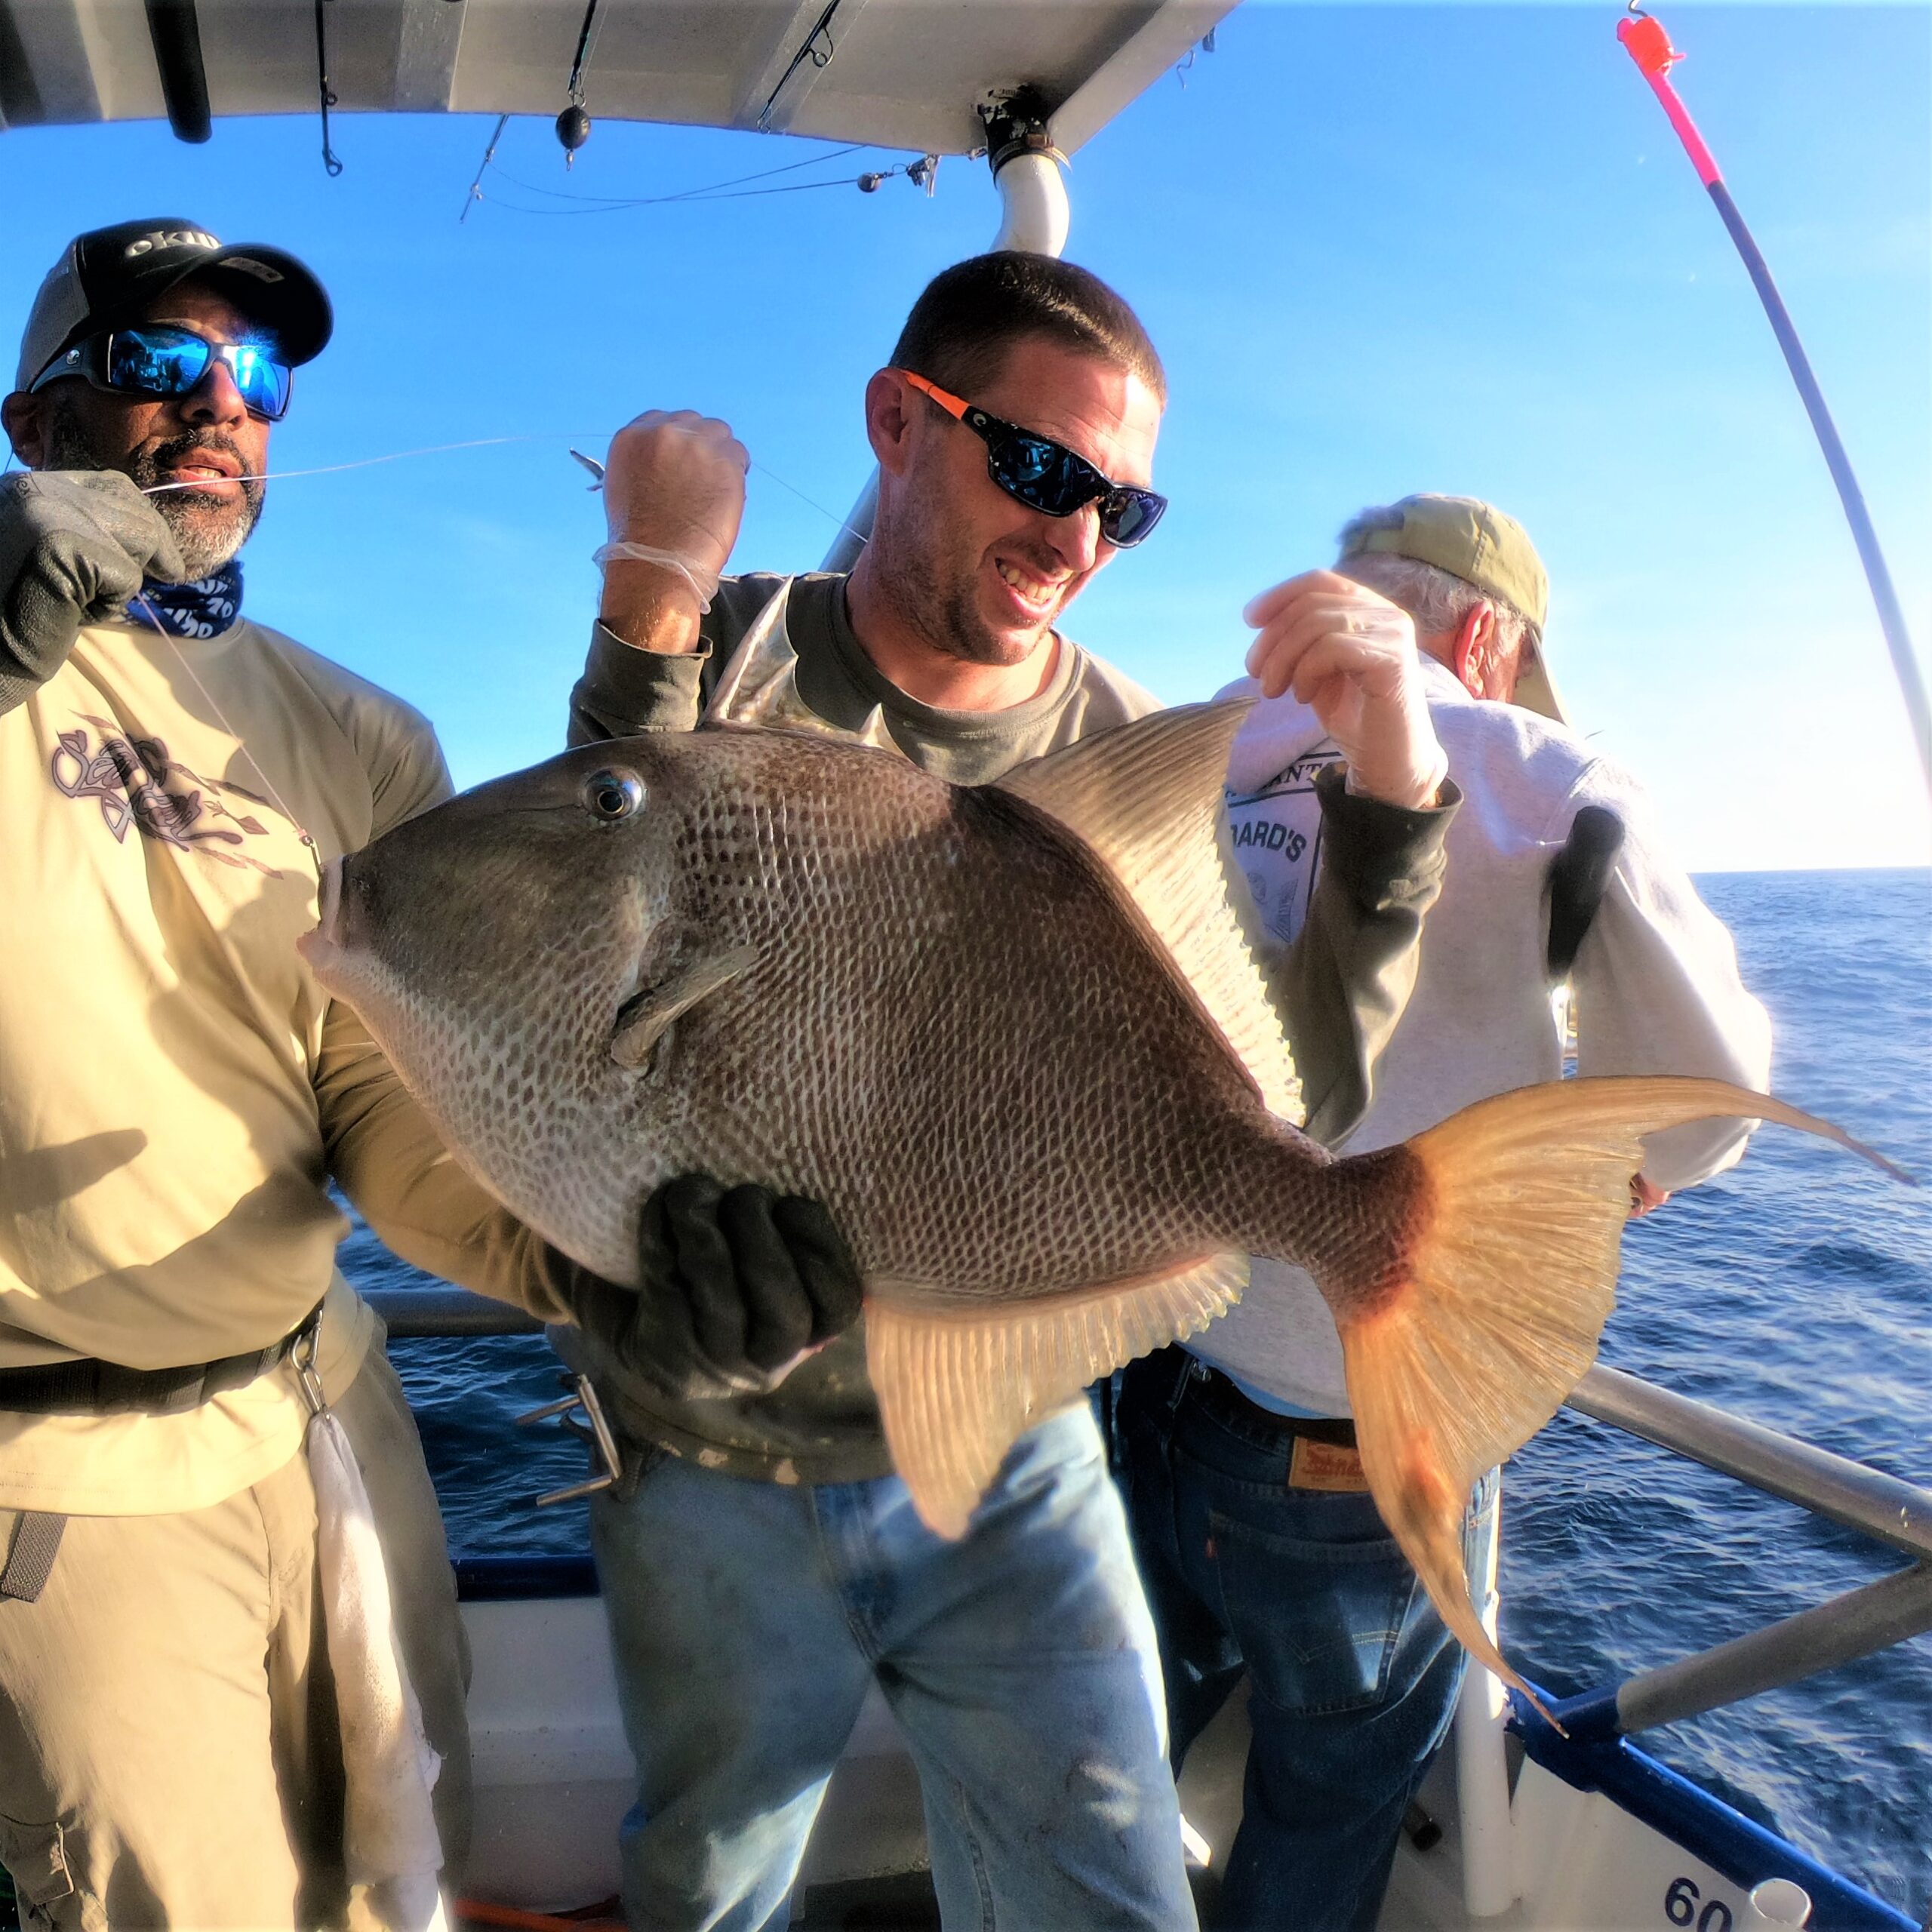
[1796,1290]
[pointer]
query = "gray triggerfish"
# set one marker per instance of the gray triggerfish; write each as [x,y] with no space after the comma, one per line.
[1013,1036]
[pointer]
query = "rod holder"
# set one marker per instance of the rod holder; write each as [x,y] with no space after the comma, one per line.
[595,1428]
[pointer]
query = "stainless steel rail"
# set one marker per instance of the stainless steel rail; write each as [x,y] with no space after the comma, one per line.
[1872,1618]
[1894,1511]
[1856,1625]
[413,1314]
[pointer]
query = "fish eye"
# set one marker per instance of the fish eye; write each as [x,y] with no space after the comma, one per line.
[613,794]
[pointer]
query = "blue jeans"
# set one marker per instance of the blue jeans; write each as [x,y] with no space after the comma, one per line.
[1353,1678]
[747,1619]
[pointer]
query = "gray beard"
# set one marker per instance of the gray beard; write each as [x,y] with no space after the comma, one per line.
[207,529]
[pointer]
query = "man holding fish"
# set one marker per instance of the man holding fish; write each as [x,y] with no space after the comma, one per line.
[770,1565]
[1011,1037]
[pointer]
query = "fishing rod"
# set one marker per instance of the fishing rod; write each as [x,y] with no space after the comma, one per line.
[1646,42]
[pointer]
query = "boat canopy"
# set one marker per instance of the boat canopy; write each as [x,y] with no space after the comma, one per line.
[912,75]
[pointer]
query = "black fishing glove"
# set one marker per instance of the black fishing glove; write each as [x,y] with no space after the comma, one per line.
[75,545]
[734,1286]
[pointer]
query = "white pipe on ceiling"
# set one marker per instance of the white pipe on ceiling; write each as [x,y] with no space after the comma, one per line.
[1035,217]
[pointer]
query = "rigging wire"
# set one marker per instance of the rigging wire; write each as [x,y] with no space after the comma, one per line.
[867,183]
[683,194]
[732,188]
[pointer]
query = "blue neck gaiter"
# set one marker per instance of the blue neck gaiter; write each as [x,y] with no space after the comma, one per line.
[203,609]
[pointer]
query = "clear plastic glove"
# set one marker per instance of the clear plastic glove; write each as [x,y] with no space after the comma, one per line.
[736,1287]
[74,546]
[674,481]
[1350,655]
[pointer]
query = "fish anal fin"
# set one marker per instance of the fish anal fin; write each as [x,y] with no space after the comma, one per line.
[643,1018]
[1463,1335]
[958,1383]
[1145,799]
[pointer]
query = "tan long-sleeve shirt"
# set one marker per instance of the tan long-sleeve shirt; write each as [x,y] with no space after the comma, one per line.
[175,1090]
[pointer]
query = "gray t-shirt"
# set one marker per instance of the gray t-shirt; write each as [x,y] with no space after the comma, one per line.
[781,651]
[812,672]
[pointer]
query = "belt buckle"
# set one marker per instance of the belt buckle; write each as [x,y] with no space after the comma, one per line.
[582,1396]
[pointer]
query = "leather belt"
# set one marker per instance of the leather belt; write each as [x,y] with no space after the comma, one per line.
[1219,1393]
[91,1387]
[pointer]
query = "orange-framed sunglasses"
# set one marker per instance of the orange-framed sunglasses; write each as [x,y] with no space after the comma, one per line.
[1047,476]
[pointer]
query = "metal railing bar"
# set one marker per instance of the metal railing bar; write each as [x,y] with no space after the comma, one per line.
[1895,1512]
[411,1314]
[1871,1618]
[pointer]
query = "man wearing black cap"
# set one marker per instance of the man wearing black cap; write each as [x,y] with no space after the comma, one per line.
[145,311]
[174,1092]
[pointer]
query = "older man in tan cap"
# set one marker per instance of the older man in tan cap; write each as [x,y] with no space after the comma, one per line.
[1262,1551]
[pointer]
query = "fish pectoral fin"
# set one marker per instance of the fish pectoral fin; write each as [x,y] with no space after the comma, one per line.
[957,1386]
[643,1018]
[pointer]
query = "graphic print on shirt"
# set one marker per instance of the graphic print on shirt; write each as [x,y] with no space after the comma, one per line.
[135,782]
[1275,833]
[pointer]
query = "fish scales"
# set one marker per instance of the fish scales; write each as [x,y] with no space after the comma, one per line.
[960,1018]
[1097,1127]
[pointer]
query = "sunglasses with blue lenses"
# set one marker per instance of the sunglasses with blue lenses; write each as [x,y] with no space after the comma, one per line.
[1048,476]
[159,360]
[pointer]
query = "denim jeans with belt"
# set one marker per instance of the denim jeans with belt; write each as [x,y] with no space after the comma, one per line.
[747,1619]
[1353,1678]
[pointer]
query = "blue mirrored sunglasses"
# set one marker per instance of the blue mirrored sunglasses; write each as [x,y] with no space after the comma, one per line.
[159,360]
[1047,476]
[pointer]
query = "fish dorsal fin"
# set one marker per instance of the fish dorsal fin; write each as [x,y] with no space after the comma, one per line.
[959,1382]
[1145,797]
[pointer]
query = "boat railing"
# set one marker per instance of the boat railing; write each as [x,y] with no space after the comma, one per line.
[1861,1622]
[1869,1619]
[1585,1744]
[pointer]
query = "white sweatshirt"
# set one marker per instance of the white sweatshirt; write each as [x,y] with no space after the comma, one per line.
[1655,986]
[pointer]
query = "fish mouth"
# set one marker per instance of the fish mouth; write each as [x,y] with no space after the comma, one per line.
[322,949]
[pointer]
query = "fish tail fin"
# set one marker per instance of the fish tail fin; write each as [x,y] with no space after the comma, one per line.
[1471,1271]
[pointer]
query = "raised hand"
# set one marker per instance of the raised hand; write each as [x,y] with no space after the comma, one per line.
[1350,655]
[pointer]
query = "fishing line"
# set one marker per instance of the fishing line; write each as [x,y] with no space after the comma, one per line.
[363,462]
[493,442]
[368,462]
[1649,45]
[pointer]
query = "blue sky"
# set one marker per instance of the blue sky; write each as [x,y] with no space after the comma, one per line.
[1381,249]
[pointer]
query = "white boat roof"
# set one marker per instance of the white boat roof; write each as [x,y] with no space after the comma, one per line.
[904,74]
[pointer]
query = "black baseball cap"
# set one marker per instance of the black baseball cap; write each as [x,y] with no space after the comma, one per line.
[106,279]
